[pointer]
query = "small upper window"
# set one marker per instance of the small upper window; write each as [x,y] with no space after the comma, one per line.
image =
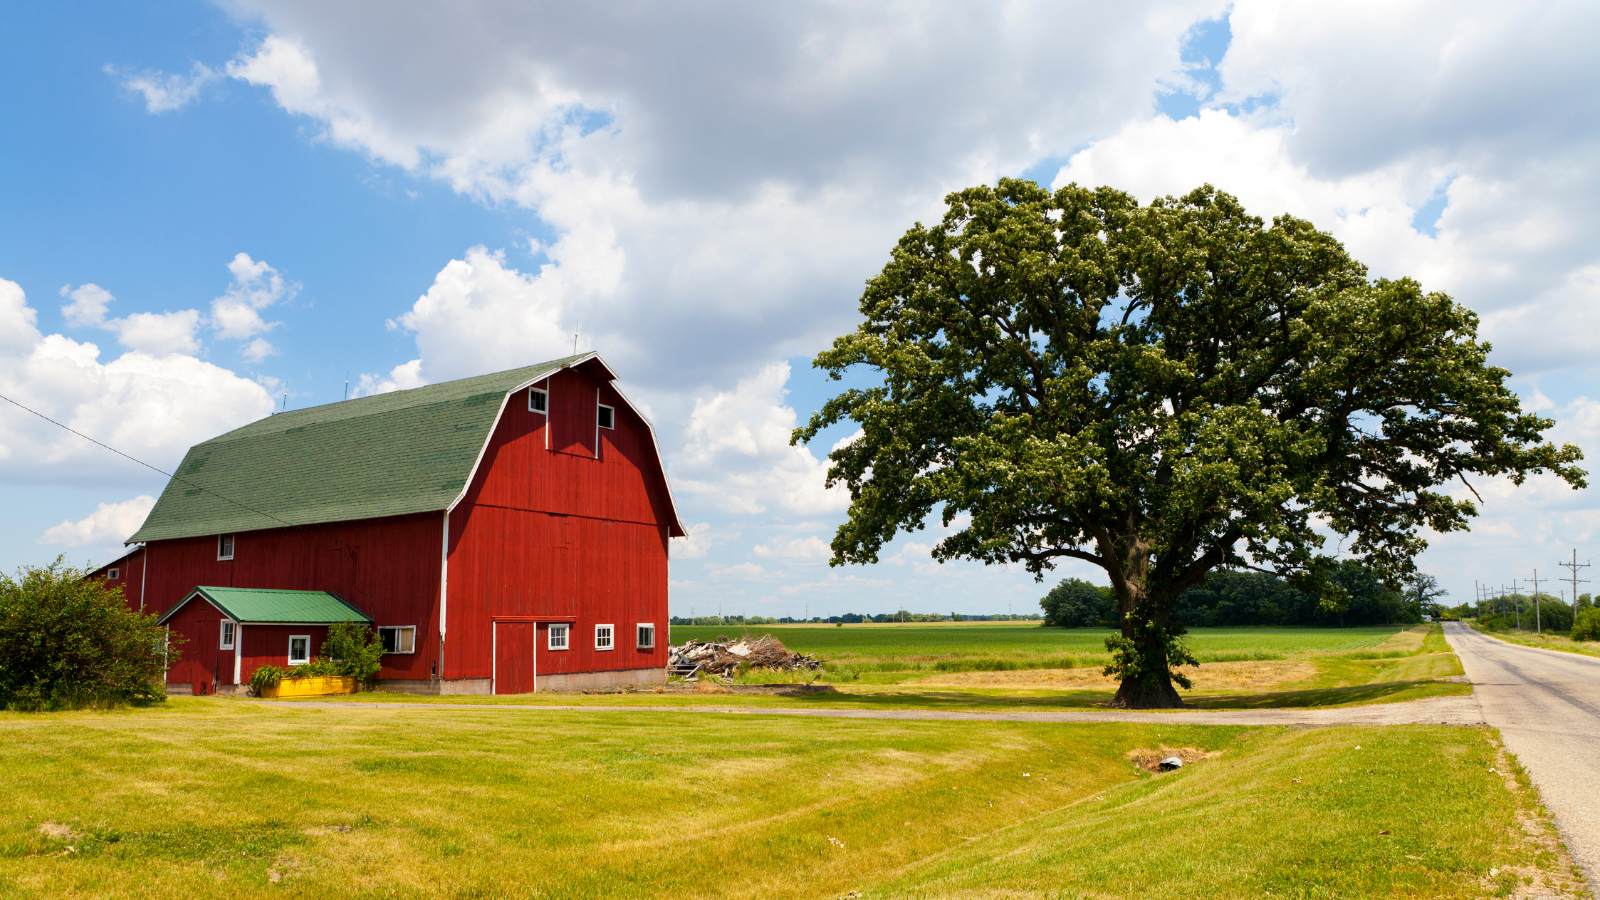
[398,638]
[299,649]
[224,546]
[225,639]
[646,636]
[558,636]
[113,574]
[605,637]
[606,417]
[538,400]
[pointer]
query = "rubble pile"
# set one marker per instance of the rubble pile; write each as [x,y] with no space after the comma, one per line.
[724,658]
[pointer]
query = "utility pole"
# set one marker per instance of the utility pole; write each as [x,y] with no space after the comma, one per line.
[1516,603]
[1573,568]
[1538,628]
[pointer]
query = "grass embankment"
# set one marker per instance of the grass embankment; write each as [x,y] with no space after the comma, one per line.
[212,797]
[1546,640]
[985,665]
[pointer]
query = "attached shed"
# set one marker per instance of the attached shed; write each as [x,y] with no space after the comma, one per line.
[230,632]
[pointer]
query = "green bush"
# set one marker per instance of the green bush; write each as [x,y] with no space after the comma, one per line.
[69,642]
[265,677]
[356,650]
[1587,626]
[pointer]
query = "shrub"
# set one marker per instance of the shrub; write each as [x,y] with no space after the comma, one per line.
[68,642]
[1587,626]
[356,650]
[265,677]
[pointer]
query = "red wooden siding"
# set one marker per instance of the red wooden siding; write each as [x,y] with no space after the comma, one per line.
[201,663]
[269,645]
[560,532]
[128,568]
[387,568]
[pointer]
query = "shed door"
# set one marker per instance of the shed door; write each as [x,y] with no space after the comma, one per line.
[200,651]
[513,657]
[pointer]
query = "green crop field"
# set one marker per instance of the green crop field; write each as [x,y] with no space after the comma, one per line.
[977,646]
[225,797]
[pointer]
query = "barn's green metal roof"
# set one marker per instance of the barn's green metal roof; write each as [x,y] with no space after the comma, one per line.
[265,606]
[386,455]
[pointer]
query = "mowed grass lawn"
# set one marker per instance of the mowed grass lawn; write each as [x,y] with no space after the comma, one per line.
[217,797]
[1011,664]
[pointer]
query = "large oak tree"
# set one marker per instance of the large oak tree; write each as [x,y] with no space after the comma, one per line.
[1161,390]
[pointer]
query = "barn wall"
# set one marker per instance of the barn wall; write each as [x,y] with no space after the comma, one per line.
[128,569]
[266,645]
[200,662]
[560,532]
[387,568]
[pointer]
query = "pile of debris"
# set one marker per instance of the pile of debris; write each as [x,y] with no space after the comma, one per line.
[724,658]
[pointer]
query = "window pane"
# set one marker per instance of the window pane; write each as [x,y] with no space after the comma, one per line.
[406,640]
[388,635]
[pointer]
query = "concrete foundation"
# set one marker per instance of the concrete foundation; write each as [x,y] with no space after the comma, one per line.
[579,681]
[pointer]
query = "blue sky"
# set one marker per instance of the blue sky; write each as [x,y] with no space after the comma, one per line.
[300,195]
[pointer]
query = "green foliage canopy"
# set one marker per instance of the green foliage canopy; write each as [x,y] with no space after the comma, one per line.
[1161,390]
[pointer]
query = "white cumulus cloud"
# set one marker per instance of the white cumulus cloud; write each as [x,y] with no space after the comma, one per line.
[109,524]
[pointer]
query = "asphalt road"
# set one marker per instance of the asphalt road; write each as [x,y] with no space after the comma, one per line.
[1547,707]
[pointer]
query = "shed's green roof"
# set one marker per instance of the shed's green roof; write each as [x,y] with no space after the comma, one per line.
[386,455]
[266,606]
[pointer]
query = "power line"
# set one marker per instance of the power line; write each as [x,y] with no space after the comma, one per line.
[130,458]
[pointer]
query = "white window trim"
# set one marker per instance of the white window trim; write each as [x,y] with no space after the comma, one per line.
[610,630]
[226,635]
[113,574]
[600,406]
[649,625]
[566,636]
[292,639]
[543,392]
[412,651]
[232,546]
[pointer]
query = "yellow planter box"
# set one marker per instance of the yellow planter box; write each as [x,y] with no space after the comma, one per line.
[314,686]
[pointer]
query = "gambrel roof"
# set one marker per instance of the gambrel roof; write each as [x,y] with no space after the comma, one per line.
[386,455]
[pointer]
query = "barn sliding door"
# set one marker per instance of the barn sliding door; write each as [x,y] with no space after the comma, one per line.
[513,657]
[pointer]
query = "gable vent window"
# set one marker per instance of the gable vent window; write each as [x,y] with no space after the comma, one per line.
[538,400]
[113,574]
[606,417]
[224,546]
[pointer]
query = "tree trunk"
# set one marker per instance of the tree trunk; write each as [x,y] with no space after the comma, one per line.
[1144,656]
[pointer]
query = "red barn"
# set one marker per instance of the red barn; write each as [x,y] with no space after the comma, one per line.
[505,533]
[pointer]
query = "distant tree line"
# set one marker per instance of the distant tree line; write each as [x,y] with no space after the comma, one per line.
[852,618]
[1511,611]
[1353,595]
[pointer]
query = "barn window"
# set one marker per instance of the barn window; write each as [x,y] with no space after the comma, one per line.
[224,546]
[646,636]
[606,417]
[299,649]
[398,638]
[605,637]
[538,400]
[559,635]
[113,574]
[225,639]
